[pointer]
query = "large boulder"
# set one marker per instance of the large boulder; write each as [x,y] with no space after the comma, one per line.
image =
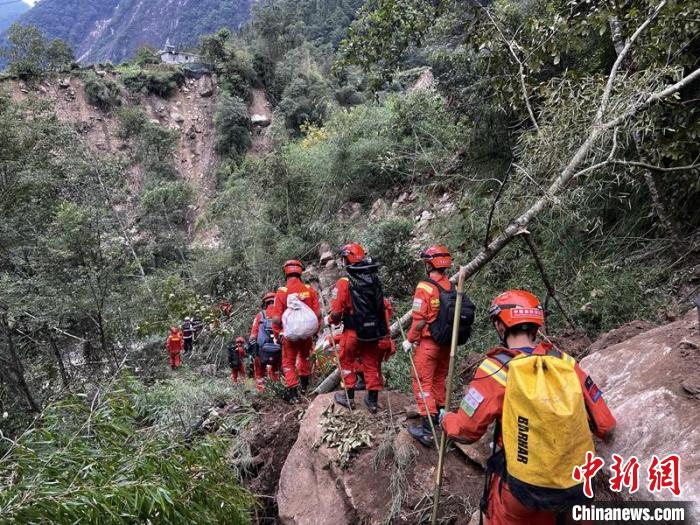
[315,489]
[642,380]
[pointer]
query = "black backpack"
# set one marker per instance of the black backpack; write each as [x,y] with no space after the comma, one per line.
[234,358]
[368,318]
[441,328]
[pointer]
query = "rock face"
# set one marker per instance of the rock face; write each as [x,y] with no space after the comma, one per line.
[641,380]
[313,489]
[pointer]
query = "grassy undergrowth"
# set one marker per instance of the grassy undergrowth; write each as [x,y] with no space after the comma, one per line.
[117,457]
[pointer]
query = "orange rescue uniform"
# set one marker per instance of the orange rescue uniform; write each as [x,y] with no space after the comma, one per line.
[174,344]
[295,354]
[272,373]
[239,373]
[431,359]
[490,382]
[369,353]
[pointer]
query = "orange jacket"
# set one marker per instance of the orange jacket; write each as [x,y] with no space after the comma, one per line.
[426,305]
[175,343]
[306,293]
[269,313]
[489,386]
[341,304]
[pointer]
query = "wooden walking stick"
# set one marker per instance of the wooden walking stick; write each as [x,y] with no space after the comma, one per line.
[420,388]
[450,373]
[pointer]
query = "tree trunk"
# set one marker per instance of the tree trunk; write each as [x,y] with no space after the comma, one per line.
[17,368]
[59,360]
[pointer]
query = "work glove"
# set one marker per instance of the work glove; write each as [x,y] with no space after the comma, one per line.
[441,416]
[408,346]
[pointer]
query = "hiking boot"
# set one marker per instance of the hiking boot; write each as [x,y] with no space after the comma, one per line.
[360,385]
[293,396]
[371,401]
[303,384]
[422,433]
[347,402]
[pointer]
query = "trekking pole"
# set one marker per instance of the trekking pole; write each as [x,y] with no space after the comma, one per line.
[420,388]
[450,373]
[324,312]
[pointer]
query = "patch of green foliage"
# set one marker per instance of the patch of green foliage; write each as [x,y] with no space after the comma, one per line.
[107,459]
[102,92]
[29,53]
[232,125]
[161,80]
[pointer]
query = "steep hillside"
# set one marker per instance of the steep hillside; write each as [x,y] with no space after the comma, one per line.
[114,29]
[11,11]
[188,112]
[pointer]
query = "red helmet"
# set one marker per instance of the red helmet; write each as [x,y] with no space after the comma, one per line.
[174,330]
[353,252]
[268,298]
[240,341]
[293,267]
[439,256]
[516,307]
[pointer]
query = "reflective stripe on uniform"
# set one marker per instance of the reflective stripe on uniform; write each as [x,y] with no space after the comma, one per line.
[426,287]
[494,371]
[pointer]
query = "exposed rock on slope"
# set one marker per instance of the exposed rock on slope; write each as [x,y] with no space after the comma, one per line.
[393,474]
[645,380]
[187,111]
[115,29]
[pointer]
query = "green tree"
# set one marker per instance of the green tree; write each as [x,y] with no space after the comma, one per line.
[26,52]
[29,54]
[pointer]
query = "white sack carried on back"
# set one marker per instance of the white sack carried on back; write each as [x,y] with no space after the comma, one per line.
[298,320]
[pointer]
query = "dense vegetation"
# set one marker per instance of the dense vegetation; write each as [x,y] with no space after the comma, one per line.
[95,269]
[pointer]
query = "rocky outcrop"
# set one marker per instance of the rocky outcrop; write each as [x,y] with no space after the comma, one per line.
[643,380]
[314,489]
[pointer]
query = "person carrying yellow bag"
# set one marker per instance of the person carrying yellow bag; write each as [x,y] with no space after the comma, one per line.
[546,409]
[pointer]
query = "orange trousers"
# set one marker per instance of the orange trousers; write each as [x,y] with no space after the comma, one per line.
[238,373]
[295,360]
[272,373]
[175,360]
[505,509]
[432,362]
[370,357]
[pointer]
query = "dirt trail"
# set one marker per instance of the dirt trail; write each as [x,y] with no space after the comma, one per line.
[261,136]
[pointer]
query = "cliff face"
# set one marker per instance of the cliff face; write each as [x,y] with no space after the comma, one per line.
[113,29]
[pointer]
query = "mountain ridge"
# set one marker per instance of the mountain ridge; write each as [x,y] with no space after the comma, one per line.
[112,30]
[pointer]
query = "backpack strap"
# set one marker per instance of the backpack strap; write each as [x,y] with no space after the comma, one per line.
[435,283]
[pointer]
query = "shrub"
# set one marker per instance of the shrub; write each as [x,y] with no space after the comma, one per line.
[108,460]
[101,92]
[389,241]
[169,197]
[132,121]
[232,126]
[155,81]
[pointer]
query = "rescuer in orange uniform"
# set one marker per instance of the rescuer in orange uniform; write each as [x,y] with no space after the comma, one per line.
[351,348]
[517,316]
[295,354]
[271,371]
[236,360]
[431,359]
[174,344]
